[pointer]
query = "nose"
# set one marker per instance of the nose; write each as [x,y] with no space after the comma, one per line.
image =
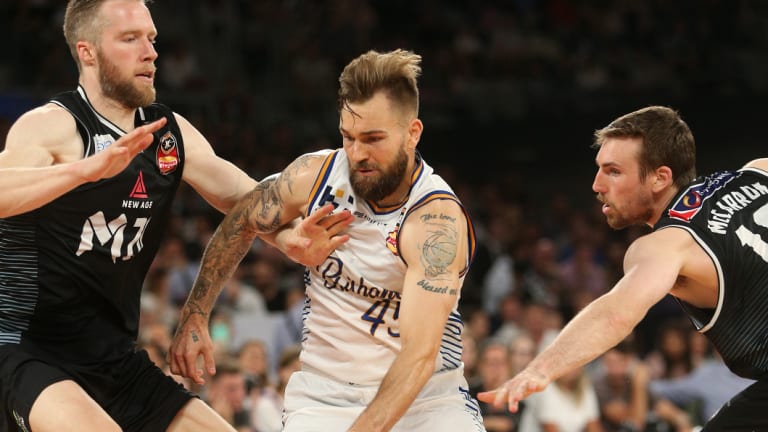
[356,151]
[150,53]
[597,184]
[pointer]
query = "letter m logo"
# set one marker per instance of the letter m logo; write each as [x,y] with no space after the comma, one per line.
[97,227]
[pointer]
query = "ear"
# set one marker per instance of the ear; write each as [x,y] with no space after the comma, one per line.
[662,178]
[414,133]
[86,52]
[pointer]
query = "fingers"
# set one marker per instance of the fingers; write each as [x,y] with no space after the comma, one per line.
[338,241]
[210,363]
[487,396]
[152,127]
[320,213]
[177,363]
[332,222]
[339,222]
[194,373]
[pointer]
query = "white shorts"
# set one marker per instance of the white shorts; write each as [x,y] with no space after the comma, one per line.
[314,403]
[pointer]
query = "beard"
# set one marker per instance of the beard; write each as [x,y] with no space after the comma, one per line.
[620,220]
[376,189]
[124,91]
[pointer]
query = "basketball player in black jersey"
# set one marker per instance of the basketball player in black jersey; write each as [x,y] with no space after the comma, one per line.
[86,195]
[708,249]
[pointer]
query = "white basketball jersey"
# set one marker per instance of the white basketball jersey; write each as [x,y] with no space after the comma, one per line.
[351,330]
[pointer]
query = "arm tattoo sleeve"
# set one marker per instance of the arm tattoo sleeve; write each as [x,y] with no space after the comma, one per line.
[257,212]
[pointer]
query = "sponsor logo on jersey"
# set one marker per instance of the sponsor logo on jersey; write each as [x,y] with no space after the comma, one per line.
[121,237]
[168,153]
[139,190]
[101,142]
[690,202]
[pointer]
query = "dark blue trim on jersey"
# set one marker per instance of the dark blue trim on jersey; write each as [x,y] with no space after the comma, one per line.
[325,172]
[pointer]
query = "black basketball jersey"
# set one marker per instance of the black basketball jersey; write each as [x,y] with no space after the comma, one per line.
[71,272]
[727,214]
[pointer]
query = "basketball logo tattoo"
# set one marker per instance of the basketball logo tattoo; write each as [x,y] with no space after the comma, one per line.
[439,248]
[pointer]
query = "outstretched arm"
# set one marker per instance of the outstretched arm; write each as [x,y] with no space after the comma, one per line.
[221,183]
[42,159]
[270,205]
[651,265]
[433,242]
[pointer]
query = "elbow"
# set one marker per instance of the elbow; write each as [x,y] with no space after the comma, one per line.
[423,358]
[624,321]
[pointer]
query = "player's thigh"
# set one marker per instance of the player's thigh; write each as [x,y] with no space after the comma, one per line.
[321,419]
[197,416]
[64,406]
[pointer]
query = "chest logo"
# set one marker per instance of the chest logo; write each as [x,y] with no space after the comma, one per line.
[101,142]
[168,153]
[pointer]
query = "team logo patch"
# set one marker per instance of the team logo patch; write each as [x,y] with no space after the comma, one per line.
[392,242]
[690,202]
[392,235]
[167,154]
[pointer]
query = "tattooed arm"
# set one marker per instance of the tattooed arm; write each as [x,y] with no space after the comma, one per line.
[270,205]
[433,242]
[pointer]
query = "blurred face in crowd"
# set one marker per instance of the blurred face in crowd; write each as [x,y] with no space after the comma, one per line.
[521,351]
[379,143]
[627,199]
[125,53]
[229,387]
[494,365]
[253,358]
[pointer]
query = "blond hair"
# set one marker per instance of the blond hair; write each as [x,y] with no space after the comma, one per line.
[394,72]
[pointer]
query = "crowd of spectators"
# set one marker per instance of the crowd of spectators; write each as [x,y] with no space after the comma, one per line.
[510,94]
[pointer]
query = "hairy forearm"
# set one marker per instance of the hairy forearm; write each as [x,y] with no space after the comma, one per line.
[27,189]
[597,328]
[403,382]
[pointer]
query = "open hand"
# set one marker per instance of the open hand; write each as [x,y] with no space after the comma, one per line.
[119,154]
[513,391]
[319,234]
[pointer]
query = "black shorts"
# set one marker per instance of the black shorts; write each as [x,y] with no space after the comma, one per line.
[745,412]
[134,392]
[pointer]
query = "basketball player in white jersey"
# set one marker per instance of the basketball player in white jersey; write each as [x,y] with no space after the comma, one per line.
[382,343]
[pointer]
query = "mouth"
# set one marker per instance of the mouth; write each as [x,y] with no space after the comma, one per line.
[147,76]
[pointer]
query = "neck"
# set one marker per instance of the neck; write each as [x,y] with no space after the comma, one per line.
[110,109]
[396,197]
[663,201]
